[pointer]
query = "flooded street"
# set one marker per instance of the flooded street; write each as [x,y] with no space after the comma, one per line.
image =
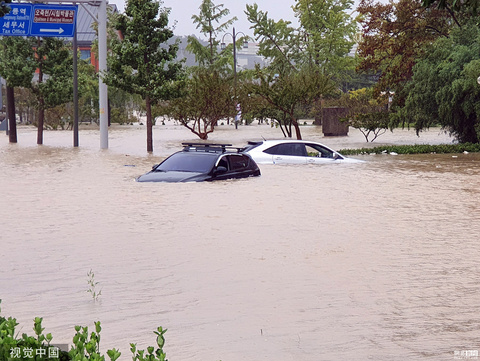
[370,261]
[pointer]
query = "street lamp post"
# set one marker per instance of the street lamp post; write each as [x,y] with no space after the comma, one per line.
[223,46]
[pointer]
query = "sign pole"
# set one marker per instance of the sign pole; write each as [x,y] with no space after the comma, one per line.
[75,89]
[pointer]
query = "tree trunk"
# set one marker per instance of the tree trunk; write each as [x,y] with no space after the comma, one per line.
[297,129]
[12,121]
[41,117]
[148,106]
[41,106]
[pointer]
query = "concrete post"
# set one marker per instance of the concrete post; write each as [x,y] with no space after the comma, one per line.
[102,68]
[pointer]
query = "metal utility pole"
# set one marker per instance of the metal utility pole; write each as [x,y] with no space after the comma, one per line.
[102,68]
[223,46]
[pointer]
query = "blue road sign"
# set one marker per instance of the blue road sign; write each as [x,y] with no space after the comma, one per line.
[39,20]
[17,22]
[54,21]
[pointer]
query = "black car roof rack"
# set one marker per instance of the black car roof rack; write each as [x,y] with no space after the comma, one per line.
[209,147]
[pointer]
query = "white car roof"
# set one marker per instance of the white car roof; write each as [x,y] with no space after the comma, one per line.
[280,141]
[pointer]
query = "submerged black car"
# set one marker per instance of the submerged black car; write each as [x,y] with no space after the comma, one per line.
[199,162]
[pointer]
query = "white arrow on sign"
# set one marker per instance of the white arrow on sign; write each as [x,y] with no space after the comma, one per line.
[60,30]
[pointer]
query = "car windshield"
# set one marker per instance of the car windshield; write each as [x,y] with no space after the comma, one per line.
[188,162]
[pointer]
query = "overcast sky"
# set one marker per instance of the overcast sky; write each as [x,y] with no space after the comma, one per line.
[182,11]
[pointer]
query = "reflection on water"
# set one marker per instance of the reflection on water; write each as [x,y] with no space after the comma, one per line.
[374,261]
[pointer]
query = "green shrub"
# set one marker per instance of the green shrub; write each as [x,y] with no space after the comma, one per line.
[416,149]
[85,345]
[26,347]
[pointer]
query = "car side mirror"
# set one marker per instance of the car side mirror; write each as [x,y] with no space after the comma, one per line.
[155,166]
[220,169]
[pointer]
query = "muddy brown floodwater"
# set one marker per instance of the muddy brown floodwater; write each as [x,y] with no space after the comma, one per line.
[370,261]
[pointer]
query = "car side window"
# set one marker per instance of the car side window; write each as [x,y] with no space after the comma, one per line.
[223,162]
[238,161]
[315,150]
[292,149]
[272,150]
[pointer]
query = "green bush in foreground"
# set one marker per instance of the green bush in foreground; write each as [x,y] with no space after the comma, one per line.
[85,346]
[416,149]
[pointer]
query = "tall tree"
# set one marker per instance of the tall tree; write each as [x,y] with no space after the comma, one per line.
[207,94]
[55,85]
[303,61]
[204,99]
[211,24]
[278,40]
[21,57]
[454,7]
[279,43]
[88,91]
[17,72]
[142,63]
[121,104]
[444,88]
[394,35]
[328,31]
[366,112]
[285,98]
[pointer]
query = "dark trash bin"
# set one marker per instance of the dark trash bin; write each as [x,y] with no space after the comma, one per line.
[331,123]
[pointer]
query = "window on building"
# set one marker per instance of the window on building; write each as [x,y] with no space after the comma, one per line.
[85,54]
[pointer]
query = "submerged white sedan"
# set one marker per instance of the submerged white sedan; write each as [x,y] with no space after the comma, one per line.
[294,152]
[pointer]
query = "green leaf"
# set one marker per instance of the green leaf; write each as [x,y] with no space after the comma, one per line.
[113,354]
